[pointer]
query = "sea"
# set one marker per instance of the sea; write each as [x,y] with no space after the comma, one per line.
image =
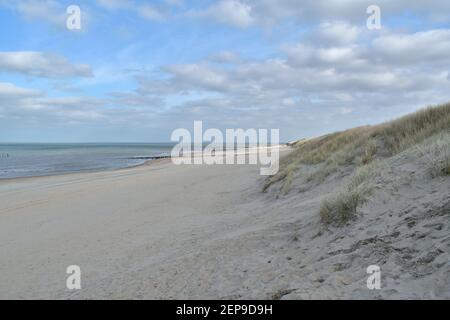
[19,160]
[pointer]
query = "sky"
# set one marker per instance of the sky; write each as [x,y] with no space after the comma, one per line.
[137,70]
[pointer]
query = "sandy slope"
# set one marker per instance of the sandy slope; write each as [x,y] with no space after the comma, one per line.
[165,231]
[404,229]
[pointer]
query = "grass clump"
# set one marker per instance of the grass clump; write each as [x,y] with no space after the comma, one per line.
[440,163]
[343,207]
[440,166]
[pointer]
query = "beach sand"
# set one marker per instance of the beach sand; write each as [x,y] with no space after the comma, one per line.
[128,230]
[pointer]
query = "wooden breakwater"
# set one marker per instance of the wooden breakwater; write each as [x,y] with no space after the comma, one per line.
[151,158]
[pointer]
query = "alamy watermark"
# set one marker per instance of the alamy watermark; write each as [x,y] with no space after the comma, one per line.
[73,21]
[374,280]
[73,281]
[237,146]
[374,20]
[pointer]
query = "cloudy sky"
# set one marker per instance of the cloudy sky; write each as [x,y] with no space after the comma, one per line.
[137,70]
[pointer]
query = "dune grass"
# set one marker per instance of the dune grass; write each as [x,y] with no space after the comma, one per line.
[439,154]
[360,146]
[342,207]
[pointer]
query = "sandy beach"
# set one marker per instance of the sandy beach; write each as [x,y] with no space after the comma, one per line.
[131,231]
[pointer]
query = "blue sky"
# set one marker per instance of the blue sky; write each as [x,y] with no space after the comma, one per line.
[137,70]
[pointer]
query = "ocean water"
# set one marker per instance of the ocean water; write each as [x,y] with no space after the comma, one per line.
[29,160]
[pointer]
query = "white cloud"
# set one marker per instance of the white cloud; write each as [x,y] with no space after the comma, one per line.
[226,57]
[421,47]
[193,76]
[336,55]
[274,11]
[41,65]
[230,12]
[288,101]
[47,10]
[10,91]
[337,32]
[26,103]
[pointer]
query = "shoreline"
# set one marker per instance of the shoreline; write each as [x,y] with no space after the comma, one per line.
[86,172]
[148,161]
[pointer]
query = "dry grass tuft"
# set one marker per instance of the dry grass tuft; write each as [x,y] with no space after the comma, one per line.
[440,157]
[341,208]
